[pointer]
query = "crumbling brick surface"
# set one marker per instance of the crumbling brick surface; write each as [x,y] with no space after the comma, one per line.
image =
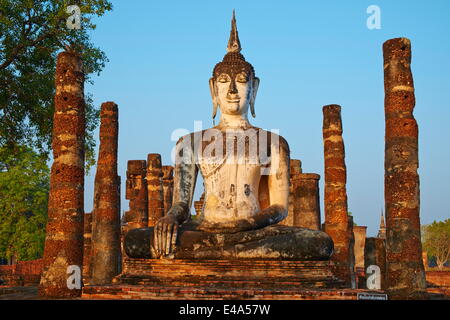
[405,270]
[87,243]
[23,273]
[167,182]
[155,188]
[106,213]
[137,194]
[64,235]
[336,212]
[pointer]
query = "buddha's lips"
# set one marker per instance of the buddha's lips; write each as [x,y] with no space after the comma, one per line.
[233,101]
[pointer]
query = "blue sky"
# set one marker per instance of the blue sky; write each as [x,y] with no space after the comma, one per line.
[307,54]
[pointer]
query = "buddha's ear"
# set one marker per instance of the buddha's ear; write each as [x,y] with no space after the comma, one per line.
[255,86]
[212,88]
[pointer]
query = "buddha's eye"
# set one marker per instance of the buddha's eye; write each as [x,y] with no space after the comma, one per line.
[242,78]
[223,79]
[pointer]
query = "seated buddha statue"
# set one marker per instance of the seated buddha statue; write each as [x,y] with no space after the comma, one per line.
[246,178]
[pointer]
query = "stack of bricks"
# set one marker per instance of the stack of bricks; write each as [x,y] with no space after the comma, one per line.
[155,189]
[167,182]
[198,205]
[405,271]
[375,255]
[64,234]
[22,273]
[137,193]
[359,233]
[87,238]
[304,204]
[337,224]
[106,214]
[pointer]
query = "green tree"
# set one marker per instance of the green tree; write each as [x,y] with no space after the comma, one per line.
[32,33]
[24,186]
[436,241]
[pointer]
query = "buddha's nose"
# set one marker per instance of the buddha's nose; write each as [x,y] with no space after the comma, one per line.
[232,89]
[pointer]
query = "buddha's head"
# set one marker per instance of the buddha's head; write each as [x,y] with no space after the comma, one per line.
[233,84]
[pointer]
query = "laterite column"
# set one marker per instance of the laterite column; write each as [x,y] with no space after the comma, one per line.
[64,234]
[336,217]
[106,213]
[405,271]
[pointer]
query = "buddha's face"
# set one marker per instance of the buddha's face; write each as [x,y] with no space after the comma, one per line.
[233,92]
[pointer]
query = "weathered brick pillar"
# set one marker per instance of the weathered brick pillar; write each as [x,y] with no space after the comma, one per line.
[198,205]
[295,170]
[375,254]
[155,188]
[405,271]
[167,182]
[359,233]
[137,193]
[336,215]
[87,238]
[64,235]
[106,213]
[308,201]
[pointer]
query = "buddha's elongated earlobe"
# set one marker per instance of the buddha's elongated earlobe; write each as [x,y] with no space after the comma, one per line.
[212,89]
[253,97]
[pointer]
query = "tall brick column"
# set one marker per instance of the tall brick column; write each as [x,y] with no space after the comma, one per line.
[405,271]
[155,188]
[106,213]
[167,182]
[64,235]
[137,193]
[336,215]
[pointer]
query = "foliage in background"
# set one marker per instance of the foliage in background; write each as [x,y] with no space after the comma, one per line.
[24,186]
[436,241]
[32,33]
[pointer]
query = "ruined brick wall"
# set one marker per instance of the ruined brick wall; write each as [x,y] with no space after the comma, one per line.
[360,242]
[23,273]
[137,194]
[438,278]
[375,254]
[87,237]
[155,188]
[64,233]
[405,271]
[167,182]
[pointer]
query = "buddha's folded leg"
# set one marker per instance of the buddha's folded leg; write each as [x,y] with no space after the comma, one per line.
[274,242]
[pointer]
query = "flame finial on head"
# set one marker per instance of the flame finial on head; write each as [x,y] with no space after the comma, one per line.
[234,45]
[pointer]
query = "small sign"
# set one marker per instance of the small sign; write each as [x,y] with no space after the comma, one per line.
[371,296]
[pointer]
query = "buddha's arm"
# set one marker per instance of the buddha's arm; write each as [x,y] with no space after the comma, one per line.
[185,176]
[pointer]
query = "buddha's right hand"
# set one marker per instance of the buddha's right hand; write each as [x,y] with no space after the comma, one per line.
[165,235]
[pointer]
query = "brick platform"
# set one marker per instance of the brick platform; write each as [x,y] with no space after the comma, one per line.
[223,279]
[191,293]
[261,274]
